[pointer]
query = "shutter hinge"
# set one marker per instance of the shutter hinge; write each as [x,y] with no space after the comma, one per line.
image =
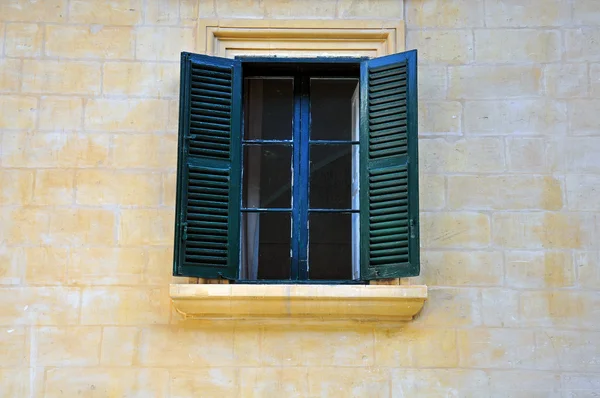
[411,227]
[184,231]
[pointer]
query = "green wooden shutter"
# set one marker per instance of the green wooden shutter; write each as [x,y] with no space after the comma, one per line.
[389,178]
[207,227]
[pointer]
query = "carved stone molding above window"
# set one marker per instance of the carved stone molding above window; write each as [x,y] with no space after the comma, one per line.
[320,302]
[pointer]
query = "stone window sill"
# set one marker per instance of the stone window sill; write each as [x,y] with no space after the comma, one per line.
[323,302]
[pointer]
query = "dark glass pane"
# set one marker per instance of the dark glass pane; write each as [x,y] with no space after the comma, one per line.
[269,109]
[330,251]
[266,243]
[331,108]
[267,176]
[333,175]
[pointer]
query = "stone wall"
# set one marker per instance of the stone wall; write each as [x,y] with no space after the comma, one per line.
[510,98]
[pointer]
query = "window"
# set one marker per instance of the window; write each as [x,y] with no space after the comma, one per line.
[297,170]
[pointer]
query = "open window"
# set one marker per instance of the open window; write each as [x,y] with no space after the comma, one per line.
[297,170]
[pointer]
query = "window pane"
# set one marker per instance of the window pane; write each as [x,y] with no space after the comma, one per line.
[267,176]
[331,108]
[330,251]
[266,244]
[333,176]
[269,109]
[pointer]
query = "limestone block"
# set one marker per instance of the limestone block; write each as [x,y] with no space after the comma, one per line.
[118,345]
[582,44]
[114,187]
[220,382]
[163,44]
[451,307]
[26,11]
[61,113]
[68,346]
[539,269]
[461,268]
[24,39]
[416,348]
[106,266]
[53,187]
[583,116]
[444,14]
[388,9]
[65,77]
[268,382]
[432,195]
[587,264]
[500,307]
[136,115]
[527,155]
[164,12]
[82,226]
[496,348]
[567,350]
[440,117]
[544,230]
[517,45]
[141,78]
[17,186]
[455,229]
[18,112]
[146,227]
[39,306]
[46,265]
[560,309]
[433,82]
[144,151]
[95,41]
[566,80]
[510,192]
[10,75]
[476,155]
[442,46]
[502,13]
[499,81]
[119,12]
[430,383]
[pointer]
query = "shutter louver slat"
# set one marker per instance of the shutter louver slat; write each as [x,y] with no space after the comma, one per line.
[389,204]
[207,234]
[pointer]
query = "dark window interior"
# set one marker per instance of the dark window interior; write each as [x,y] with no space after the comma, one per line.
[300,155]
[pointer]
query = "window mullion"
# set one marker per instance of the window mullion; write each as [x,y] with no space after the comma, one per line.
[303,185]
[296,185]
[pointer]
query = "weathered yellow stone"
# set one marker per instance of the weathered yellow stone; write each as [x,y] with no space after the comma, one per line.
[39,306]
[47,76]
[533,13]
[442,46]
[240,8]
[566,80]
[413,347]
[119,12]
[190,10]
[17,186]
[74,346]
[14,345]
[583,116]
[347,382]
[568,350]
[451,307]
[500,307]
[471,155]
[582,192]
[139,78]
[106,382]
[455,229]
[158,270]
[25,10]
[431,383]
[144,151]
[461,268]
[61,113]
[496,348]
[577,154]
[272,382]
[53,187]
[366,9]
[82,226]
[560,308]
[24,225]
[146,227]
[12,264]
[138,115]
[124,306]
[164,12]
[106,266]
[505,192]
[518,45]
[24,39]
[544,230]
[587,264]
[501,81]
[538,269]
[582,384]
[527,154]
[432,82]
[432,193]
[213,382]
[440,117]
[15,382]
[582,44]
[163,44]
[444,14]
[586,12]
[46,265]
[10,75]
[92,41]
[18,112]
[54,149]
[525,383]
[110,187]
[118,345]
